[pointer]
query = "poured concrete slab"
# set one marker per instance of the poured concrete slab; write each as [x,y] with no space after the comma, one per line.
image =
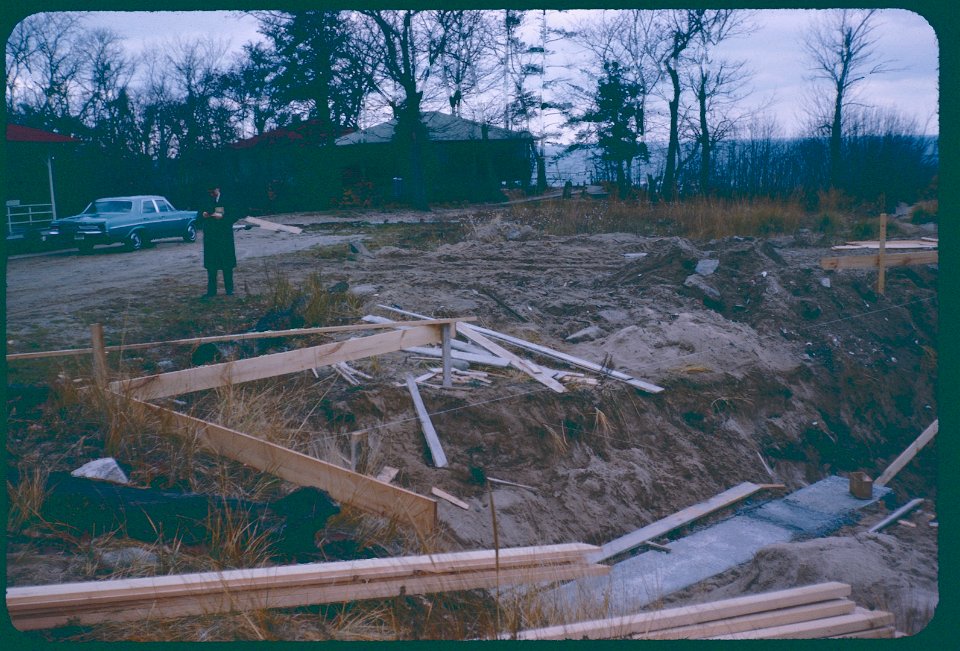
[634,583]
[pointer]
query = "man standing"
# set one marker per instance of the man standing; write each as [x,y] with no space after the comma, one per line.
[219,252]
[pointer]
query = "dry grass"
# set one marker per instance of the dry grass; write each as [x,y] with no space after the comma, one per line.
[701,218]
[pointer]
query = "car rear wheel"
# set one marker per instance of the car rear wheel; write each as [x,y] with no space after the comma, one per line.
[190,235]
[134,241]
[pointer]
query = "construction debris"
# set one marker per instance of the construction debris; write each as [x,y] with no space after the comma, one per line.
[273,226]
[907,455]
[430,434]
[896,515]
[449,498]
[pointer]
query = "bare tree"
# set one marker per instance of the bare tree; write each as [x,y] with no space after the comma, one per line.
[842,53]
[466,65]
[106,72]
[409,45]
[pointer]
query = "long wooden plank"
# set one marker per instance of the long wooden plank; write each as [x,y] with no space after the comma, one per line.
[488,360]
[680,518]
[240,336]
[656,620]
[335,572]
[166,596]
[266,366]
[526,366]
[555,354]
[896,515]
[873,261]
[890,244]
[429,433]
[907,455]
[221,601]
[873,634]
[444,495]
[859,620]
[807,612]
[345,486]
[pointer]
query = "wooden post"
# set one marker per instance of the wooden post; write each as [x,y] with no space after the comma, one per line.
[99,355]
[882,278]
[446,330]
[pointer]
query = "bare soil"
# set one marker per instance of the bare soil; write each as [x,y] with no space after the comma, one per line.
[778,371]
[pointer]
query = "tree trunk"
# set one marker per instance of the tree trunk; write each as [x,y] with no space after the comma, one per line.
[669,187]
[836,135]
[705,146]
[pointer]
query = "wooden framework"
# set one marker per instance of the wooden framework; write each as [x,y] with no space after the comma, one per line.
[873,261]
[124,600]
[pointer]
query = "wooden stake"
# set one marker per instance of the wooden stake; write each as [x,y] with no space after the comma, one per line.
[908,454]
[446,338]
[430,434]
[99,355]
[881,257]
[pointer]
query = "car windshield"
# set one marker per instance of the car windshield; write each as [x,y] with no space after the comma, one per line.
[108,205]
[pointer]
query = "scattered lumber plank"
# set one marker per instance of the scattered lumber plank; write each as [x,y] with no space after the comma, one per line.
[36,607]
[347,487]
[873,261]
[871,634]
[488,360]
[509,483]
[658,620]
[680,518]
[549,352]
[266,366]
[273,226]
[528,367]
[388,474]
[907,455]
[859,620]
[430,434]
[766,619]
[444,495]
[896,515]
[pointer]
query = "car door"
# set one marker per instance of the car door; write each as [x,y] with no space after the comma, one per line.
[174,222]
[151,220]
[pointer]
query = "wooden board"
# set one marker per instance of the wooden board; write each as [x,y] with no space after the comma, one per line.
[388,474]
[444,495]
[889,244]
[549,352]
[292,585]
[266,366]
[907,455]
[273,226]
[859,620]
[678,519]
[657,620]
[526,366]
[873,261]
[429,433]
[360,491]
[767,619]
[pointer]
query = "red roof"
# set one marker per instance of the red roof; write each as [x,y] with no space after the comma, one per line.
[18,133]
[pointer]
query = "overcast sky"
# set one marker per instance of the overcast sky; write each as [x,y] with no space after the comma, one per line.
[772,51]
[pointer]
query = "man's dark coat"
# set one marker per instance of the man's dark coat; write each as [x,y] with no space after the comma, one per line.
[219,251]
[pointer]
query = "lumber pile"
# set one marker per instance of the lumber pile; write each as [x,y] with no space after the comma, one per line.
[816,611]
[286,586]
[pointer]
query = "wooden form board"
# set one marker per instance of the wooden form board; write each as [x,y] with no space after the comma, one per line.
[360,491]
[266,366]
[240,336]
[889,244]
[678,519]
[549,352]
[429,433]
[658,620]
[291,585]
[444,495]
[766,619]
[873,261]
[859,620]
[907,455]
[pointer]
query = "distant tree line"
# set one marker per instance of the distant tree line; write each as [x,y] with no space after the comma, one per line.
[164,114]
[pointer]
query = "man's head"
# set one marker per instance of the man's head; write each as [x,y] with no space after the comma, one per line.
[215,191]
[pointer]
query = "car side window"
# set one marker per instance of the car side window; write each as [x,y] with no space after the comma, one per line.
[148,206]
[163,206]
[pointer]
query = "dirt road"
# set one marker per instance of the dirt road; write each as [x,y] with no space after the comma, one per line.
[45,291]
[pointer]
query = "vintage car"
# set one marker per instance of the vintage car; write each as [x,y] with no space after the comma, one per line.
[135,221]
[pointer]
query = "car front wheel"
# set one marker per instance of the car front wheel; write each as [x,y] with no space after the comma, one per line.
[134,241]
[191,233]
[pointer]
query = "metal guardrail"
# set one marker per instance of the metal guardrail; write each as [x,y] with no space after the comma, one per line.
[23,218]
